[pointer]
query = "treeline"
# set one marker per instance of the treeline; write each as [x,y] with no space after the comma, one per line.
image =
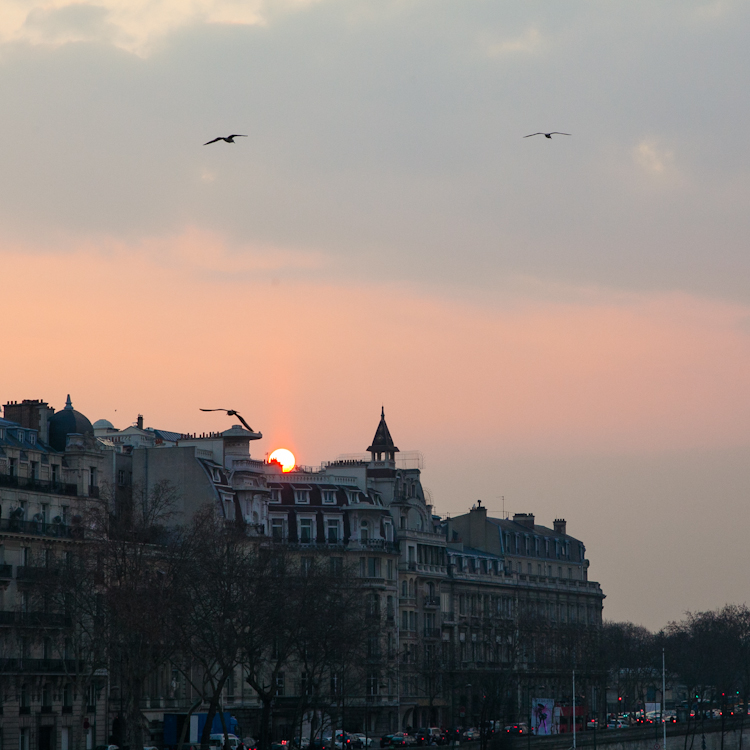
[707,652]
[143,596]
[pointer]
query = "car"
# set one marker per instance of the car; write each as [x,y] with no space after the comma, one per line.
[217,740]
[385,740]
[363,740]
[617,724]
[420,735]
[401,739]
[592,724]
[519,728]
[472,734]
[436,734]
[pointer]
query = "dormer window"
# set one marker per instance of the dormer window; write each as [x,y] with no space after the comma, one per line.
[275,496]
[20,436]
[302,497]
[364,532]
[329,497]
[32,438]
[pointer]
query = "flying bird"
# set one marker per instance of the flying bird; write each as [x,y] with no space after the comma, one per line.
[233,413]
[228,139]
[547,135]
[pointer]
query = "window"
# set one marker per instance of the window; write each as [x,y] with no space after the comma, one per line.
[12,471]
[306,564]
[390,570]
[275,496]
[364,532]
[332,531]
[35,470]
[302,497]
[337,566]
[305,530]
[404,589]
[404,620]
[277,528]
[329,497]
[570,573]
[32,438]
[280,683]
[121,477]
[528,568]
[55,473]
[372,684]
[20,436]
[373,567]
[92,476]
[559,572]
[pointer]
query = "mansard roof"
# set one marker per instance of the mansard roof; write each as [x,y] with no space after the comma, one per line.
[382,442]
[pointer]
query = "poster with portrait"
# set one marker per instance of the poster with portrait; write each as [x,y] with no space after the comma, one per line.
[541,715]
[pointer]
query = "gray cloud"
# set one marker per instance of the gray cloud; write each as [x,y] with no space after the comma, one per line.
[390,137]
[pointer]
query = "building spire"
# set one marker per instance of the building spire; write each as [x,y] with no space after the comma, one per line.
[382,442]
[69,404]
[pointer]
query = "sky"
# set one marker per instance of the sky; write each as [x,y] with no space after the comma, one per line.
[560,326]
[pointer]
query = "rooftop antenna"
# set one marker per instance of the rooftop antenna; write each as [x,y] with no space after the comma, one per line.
[505,515]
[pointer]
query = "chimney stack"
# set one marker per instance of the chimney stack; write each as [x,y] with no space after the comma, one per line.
[525,519]
[139,422]
[560,526]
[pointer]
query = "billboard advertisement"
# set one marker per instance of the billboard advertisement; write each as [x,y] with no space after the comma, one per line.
[542,710]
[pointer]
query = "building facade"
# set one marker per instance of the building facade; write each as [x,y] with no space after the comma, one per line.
[478,615]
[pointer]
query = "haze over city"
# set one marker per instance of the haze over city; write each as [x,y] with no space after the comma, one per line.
[560,326]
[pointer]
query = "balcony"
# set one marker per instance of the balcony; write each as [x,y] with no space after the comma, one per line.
[34,619]
[431,602]
[29,573]
[377,544]
[40,528]
[432,632]
[39,485]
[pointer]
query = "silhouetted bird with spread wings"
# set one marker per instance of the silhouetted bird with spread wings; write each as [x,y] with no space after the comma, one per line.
[233,413]
[228,139]
[546,135]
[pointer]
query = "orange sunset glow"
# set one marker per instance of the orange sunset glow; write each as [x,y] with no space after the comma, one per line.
[284,457]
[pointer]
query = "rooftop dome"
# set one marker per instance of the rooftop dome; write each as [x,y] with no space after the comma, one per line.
[66,422]
[103,424]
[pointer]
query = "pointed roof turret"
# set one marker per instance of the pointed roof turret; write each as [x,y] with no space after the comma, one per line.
[69,404]
[382,442]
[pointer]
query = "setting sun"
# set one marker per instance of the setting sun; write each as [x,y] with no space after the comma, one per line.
[284,457]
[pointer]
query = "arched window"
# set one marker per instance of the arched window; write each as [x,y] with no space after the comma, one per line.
[364,532]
